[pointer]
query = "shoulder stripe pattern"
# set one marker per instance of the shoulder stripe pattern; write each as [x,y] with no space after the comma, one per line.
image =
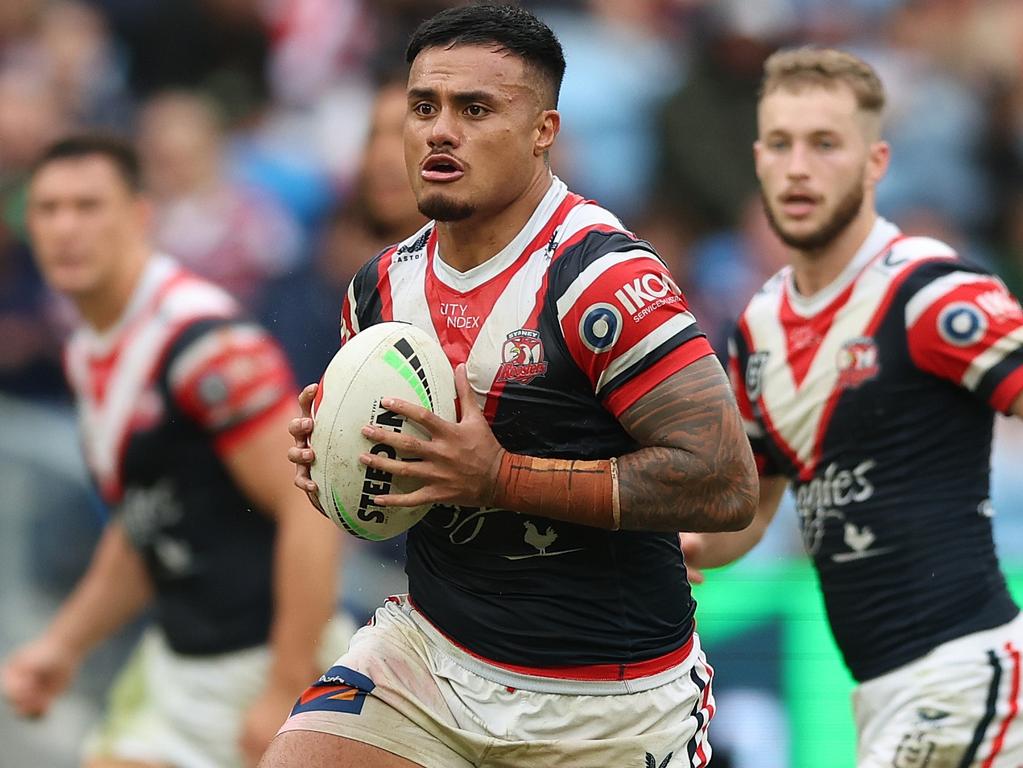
[177,300]
[965,326]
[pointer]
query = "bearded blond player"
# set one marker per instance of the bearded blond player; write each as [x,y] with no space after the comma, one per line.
[868,372]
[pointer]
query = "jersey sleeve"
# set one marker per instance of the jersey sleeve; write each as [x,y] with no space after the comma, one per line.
[738,364]
[362,306]
[963,325]
[229,380]
[628,327]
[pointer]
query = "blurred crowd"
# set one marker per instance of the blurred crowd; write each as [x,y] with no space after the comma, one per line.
[274,165]
[270,133]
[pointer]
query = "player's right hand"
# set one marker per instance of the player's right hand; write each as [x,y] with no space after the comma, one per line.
[34,675]
[300,454]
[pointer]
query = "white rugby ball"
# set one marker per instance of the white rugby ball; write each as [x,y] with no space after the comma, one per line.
[385,360]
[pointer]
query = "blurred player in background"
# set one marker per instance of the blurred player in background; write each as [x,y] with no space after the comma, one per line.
[868,372]
[549,621]
[183,404]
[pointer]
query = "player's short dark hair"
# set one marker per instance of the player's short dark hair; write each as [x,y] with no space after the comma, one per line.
[508,27]
[117,150]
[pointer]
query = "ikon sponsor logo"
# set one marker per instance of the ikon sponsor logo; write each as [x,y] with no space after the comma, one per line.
[1000,305]
[523,357]
[857,362]
[646,293]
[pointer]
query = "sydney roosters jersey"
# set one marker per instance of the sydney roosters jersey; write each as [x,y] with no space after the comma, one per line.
[875,397]
[561,332]
[179,381]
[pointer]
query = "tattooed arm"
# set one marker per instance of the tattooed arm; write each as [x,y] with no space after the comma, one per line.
[697,471]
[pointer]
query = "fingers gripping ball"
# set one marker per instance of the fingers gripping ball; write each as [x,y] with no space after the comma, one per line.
[385,360]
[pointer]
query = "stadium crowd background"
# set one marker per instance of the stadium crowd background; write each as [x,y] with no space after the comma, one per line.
[252,118]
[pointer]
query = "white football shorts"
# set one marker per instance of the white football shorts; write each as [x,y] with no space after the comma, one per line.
[187,711]
[956,707]
[407,689]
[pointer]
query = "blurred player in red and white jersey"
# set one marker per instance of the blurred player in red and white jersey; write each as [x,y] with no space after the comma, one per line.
[548,621]
[868,372]
[183,406]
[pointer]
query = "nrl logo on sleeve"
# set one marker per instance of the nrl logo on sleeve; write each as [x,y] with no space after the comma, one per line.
[755,374]
[523,357]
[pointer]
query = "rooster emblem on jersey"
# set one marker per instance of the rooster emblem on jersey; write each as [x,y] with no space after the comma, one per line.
[523,357]
[539,540]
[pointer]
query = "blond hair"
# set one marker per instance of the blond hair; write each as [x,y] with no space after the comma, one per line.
[797,68]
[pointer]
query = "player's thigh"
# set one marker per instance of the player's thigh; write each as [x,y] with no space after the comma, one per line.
[312,749]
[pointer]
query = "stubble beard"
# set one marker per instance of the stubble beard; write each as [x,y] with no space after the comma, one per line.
[844,214]
[442,208]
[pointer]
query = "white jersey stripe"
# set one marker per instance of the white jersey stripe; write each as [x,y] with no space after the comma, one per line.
[408,294]
[199,353]
[583,217]
[991,357]
[936,289]
[593,272]
[352,317]
[649,343]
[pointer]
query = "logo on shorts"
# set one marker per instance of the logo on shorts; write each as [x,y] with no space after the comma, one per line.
[523,357]
[857,362]
[339,690]
[651,761]
[915,750]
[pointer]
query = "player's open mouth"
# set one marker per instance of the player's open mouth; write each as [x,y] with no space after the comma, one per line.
[797,205]
[441,168]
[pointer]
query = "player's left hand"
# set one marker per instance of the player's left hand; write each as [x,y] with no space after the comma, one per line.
[262,721]
[459,462]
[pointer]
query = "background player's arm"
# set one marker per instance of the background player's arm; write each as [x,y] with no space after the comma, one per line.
[697,473]
[305,568]
[114,589]
[1017,407]
[712,550]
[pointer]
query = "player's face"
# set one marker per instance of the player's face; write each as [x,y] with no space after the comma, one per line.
[82,218]
[815,163]
[475,131]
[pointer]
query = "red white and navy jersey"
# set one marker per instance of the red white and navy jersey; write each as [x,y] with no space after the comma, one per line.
[561,332]
[178,382]
[875,397]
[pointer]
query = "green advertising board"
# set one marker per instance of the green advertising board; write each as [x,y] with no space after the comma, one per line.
[815,687]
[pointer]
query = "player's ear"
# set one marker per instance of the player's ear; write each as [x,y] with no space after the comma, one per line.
[878,157]
[548,124]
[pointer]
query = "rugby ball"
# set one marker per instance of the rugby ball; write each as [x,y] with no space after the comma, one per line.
[385,360]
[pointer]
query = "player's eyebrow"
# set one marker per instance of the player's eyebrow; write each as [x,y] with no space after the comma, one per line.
[461,97]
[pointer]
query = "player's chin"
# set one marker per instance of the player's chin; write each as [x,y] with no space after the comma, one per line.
[444,206]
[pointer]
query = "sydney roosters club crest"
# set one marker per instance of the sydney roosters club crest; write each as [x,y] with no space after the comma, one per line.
[523,357]
[857,362]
